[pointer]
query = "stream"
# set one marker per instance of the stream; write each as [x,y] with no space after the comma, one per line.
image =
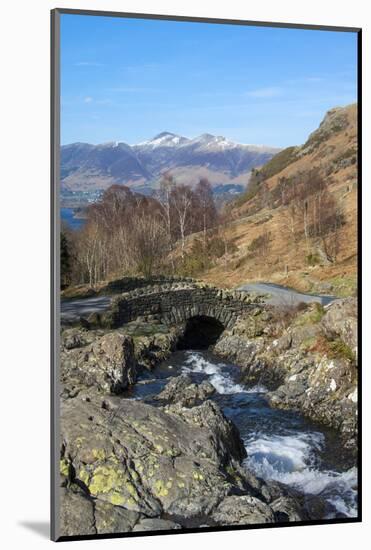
[281,445]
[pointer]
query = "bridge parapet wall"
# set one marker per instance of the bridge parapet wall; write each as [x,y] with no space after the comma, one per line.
[174,303]
[128,284]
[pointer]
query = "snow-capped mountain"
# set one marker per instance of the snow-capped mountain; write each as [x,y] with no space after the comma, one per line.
[87,167]
[165,139]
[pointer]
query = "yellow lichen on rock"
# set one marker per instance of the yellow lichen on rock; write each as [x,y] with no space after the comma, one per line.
[64,466]
[84,476]
[99,454]
[117,499]
[106,479]
[161,489]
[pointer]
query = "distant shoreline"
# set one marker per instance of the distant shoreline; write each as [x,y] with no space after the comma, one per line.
[74,218]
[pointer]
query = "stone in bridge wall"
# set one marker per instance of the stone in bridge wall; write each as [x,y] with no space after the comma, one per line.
[174,303]
[127,284]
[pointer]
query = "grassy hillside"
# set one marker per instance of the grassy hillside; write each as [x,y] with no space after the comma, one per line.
[265,247]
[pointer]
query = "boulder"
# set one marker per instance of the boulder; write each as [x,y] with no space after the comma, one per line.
[106,362]
[76,516]
[156,524]
[340,321]
[77,337]
[181,390]
[242,510]
[152,344]
[82,515]
[287,509]
[224,437]
[113,519]
[114,353]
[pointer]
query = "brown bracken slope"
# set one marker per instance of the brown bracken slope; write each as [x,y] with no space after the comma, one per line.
[332,149]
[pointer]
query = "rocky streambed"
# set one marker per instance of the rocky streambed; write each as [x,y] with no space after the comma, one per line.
[158,439]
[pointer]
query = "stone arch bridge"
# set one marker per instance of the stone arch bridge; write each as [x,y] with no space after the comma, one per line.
[176,303]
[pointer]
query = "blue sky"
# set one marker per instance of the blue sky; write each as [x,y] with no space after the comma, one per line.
[130,79]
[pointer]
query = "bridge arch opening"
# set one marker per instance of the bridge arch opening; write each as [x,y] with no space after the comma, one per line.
[201,332]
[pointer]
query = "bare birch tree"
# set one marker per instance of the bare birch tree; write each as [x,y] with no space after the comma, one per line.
[181,202]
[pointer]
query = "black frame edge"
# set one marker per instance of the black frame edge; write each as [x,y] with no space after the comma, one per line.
[359,265]
[196,19]
[54,260]
[223,528]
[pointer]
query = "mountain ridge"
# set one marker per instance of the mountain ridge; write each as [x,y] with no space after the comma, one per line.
[85,166]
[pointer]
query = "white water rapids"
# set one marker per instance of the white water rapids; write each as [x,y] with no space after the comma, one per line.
[289,456]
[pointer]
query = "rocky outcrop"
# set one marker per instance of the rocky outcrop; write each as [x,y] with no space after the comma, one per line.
[109,361]
[340,321]
[124,464]
[150,349]
[336,120]
[307,361]
[93,359]
[323,389]
[181,390]
[76,512]
[113,519]
[246,345]
[224,434]
[77,337]
[243,510]
[156,524]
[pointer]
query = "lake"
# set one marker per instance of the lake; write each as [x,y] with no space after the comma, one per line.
[68,217]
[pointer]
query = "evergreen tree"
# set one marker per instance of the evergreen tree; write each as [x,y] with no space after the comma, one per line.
[65,261]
